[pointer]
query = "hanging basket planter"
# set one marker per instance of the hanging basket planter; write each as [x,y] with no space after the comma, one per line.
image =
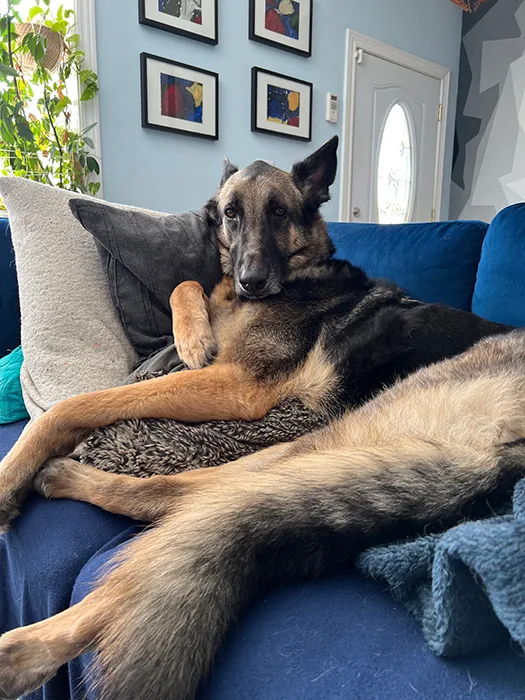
[55,47]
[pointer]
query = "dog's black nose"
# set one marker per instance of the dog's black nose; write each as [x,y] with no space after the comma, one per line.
[254,281]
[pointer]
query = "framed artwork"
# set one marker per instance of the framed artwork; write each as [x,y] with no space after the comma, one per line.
[281,105]
[194,19]
[286,24]
[178,97]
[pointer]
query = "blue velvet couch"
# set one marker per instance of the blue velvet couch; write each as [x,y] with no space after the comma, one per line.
[338,638]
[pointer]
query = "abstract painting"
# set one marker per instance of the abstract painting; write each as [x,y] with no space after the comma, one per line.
[282,17]
[178,97]
[285,24]
[189,10]
[195,19]
[281,105]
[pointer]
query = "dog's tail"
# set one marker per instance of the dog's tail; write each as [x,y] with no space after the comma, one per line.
[182,584]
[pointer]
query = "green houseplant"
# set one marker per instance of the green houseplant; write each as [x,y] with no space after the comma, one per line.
[39,57]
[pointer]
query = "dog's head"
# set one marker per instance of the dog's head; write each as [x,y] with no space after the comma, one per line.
[269,221]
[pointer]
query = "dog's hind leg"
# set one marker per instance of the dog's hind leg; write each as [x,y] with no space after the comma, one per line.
[142,499]
[222,391]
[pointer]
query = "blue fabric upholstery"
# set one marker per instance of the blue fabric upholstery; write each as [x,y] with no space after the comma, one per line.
[343,638]
[434,262]
[9,435]
[339,638]
[9,308]
[499,294]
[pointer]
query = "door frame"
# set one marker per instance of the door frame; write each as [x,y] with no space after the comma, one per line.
[354,43]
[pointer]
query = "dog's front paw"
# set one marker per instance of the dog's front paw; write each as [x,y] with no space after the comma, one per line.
[57,477]
[24,666]
[197,351]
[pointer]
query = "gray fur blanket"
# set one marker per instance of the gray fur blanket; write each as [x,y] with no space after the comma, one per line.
[163,446]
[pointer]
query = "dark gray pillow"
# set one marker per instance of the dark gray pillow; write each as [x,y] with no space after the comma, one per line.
[145,257]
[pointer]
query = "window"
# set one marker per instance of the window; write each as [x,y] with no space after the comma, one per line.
[82,114]
[395,172]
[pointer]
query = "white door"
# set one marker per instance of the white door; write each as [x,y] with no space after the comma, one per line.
[395,146]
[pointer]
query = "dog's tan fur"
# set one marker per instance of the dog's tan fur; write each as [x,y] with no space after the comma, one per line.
[421,452]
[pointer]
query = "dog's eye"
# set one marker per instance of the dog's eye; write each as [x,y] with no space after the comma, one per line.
[229,213]
[279,212]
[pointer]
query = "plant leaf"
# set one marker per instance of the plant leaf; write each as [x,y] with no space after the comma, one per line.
[7,70]
[93,165]
[24,131]
[34,11]
[88,94]
[89,128]
[62,104]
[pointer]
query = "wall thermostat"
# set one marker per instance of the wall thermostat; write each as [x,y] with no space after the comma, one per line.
[332,108]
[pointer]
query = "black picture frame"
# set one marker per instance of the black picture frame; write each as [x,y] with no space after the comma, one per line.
[275,43]
[148,21]
[256,127]
[146,117]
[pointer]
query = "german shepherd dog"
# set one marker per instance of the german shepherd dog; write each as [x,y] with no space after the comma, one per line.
[288,321]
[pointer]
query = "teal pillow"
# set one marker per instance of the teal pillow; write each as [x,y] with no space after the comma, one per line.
[12,407]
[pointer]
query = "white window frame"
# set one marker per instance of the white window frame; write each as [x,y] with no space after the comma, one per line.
[89,112]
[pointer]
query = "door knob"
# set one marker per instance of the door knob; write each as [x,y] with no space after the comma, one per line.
[356,212]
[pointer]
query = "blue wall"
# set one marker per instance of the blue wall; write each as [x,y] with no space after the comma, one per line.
[171,172]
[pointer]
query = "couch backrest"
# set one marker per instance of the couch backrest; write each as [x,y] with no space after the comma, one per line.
[9,309]
[434,262]
[499,294]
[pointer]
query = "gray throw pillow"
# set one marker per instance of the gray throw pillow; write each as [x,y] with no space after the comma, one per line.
[144,258]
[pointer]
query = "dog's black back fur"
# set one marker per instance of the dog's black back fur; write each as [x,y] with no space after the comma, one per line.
[370,331]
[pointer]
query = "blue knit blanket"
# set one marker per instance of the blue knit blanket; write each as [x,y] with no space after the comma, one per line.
[466,586]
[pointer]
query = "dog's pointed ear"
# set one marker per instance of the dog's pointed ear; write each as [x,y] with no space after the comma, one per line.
[228,169]
[211,208]
[211,213]
[314,175]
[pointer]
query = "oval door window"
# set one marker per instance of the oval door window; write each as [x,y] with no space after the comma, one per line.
[395,172]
